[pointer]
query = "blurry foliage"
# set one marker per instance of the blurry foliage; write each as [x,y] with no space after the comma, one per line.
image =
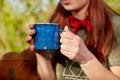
[114,4]
[16,15]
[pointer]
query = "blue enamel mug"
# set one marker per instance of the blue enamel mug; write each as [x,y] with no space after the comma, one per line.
[47,36]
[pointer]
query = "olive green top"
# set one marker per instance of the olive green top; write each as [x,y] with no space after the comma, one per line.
[114,55]
[72,71]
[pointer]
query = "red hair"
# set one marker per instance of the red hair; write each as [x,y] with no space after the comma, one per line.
[101,38]
[19,66]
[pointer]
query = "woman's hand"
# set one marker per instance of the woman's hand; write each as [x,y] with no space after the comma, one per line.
[44,66]
[29,38]
[73,47]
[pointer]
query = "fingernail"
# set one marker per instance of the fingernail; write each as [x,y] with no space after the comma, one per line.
[27,48]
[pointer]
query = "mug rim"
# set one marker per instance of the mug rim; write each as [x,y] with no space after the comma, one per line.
[49,23]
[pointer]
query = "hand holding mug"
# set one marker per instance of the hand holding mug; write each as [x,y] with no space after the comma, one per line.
[73,47]
[46,36]
[29,38]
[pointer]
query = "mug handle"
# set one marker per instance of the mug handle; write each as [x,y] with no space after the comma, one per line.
[61,30]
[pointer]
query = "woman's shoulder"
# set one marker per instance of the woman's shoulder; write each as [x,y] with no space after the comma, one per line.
[115,20]
[116,23]
[114,54]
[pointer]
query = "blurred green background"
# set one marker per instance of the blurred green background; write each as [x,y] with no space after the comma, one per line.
[16,15]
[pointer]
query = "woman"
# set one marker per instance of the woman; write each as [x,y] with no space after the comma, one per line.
[90,44]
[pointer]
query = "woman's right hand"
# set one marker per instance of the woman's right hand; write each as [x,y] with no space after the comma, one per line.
[30,39]
[44,71]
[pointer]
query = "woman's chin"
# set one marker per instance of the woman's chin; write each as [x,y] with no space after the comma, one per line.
[69,8]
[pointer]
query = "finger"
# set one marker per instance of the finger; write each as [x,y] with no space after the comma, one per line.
[67,29]
[64,52]
[27,48]
[31,26]
[65,47]
[32,41]
[28,39]
[32,48]
[67,35]
[32,32]
[65,41]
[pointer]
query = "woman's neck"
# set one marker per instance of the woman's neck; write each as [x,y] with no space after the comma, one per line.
[81,13]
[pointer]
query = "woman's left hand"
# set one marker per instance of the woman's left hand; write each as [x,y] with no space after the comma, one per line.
[73,47]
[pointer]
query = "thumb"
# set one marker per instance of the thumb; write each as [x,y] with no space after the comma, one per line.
[67,29]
